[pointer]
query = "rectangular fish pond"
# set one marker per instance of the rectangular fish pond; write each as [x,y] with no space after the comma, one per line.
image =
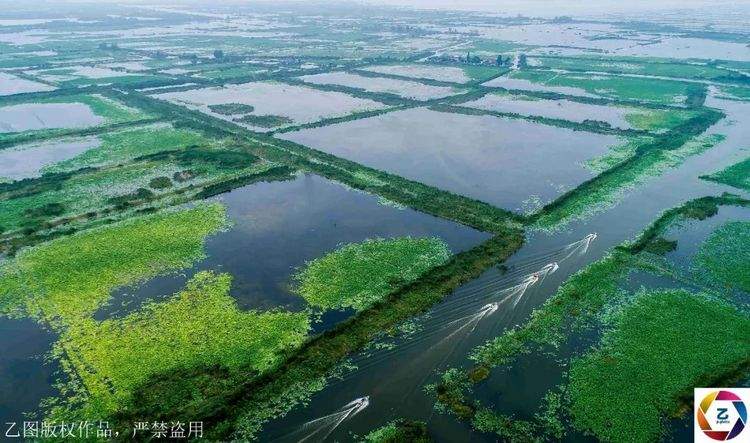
[506,162]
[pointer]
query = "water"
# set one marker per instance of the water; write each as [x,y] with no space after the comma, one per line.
[301,104]
[560,109]
[34,116]
[498,160]
[587,37]
[441,73]
[519,389]
[26,161]
[403,88]
[26,378]
[527,85]
[279,226]
[10,84]
[320,428]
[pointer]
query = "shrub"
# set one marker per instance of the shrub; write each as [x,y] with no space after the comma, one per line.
[160,183]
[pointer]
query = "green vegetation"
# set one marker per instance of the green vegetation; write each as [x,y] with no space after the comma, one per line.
[655,333]
[735,92]
[616,154]
[583,295]
[651,357]
[112,111]
[578,300]
[200,325]
[264,121]
[640,66]
[232,108]
[360,274]
[737,175]
[474,213]
[698,209]
[725,256]
[650,160]
[660,246]
[659,119]
[399,431]
[122,146]
[622,88]
[91,194]
[70,278]
[241,405]
[452,395]
[160,183]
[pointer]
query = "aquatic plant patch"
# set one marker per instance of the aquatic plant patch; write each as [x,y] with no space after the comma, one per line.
[651,356]
[360,274]
[659,120]
[67,279]
[737,175]
[724,257]
[231,108]
[399,431]
[199,326]
[79,193]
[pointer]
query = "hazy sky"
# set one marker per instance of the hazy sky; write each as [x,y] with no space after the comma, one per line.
[559,7]
[536,8]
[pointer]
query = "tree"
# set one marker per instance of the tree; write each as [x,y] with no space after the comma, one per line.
[522,61]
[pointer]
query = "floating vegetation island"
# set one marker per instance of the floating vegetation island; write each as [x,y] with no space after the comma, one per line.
[359,275]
